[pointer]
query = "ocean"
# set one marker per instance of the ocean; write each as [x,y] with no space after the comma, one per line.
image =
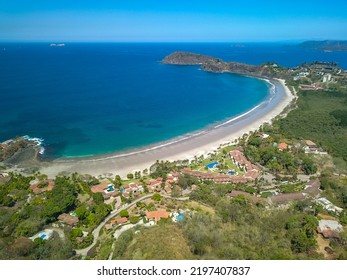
[94,98]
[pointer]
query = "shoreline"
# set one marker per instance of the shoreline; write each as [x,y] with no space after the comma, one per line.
[181,148]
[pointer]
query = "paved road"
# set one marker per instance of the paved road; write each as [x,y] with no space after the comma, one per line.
[96,232]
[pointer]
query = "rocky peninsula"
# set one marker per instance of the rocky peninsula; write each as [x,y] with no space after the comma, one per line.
[216,65]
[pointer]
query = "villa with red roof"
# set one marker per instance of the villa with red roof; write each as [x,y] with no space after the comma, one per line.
[157,215]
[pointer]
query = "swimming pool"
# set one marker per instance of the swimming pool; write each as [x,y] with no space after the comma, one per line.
[212,164]
[180,217]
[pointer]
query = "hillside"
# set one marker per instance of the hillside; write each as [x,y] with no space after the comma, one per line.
[327,45]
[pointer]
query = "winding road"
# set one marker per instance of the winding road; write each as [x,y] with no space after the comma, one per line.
[96,232]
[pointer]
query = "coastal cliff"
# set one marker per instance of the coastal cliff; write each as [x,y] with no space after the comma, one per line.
[216,65]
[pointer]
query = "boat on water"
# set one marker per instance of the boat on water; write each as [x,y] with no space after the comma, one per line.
[57,45]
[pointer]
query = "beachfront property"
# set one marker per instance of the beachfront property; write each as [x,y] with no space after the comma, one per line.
[212,165]
[239,159]
[106,189]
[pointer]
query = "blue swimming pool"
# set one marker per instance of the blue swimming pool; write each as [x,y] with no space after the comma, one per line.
[212,164]
[180,217]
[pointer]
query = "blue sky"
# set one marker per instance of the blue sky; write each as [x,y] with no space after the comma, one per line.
[172,20]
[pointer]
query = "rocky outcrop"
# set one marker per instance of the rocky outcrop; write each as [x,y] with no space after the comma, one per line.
[216,65]
[187,58]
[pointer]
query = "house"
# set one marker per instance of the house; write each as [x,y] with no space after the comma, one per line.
[42,186]
[329,228]
[126,195]
[282,146]
[119,221]
[327,78]
[157,215]
[312,188]
[328,205]
[264,135]
[286,198]
[168,188]
[172,178]
[107,190]
[311,146]
[44,235]
[68,219]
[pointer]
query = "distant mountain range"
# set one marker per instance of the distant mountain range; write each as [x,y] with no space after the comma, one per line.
[326,46]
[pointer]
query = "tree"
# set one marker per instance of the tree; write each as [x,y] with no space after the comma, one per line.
[124,213]
[130,176]
[156,197]
[81,212]
[118,181]
[308,166]
[134,219]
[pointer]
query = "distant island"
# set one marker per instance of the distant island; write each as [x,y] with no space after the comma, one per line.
[325,46]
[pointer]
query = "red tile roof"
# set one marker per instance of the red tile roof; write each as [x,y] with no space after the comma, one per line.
[119,220]
[310,143]
[283,198]
[282,146]
[99,188]
[68,219]
[157,215]
[35,187]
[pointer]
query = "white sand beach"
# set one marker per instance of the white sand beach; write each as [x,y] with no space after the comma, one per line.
[182,148]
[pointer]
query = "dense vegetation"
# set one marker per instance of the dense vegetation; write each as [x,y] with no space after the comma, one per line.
[24,213]
[322,118]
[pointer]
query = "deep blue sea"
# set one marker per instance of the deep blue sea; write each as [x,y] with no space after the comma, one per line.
[89,99]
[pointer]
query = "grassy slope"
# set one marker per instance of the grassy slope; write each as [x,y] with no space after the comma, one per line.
[164,242]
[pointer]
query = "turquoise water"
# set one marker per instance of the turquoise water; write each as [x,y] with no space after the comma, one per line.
[90,99]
